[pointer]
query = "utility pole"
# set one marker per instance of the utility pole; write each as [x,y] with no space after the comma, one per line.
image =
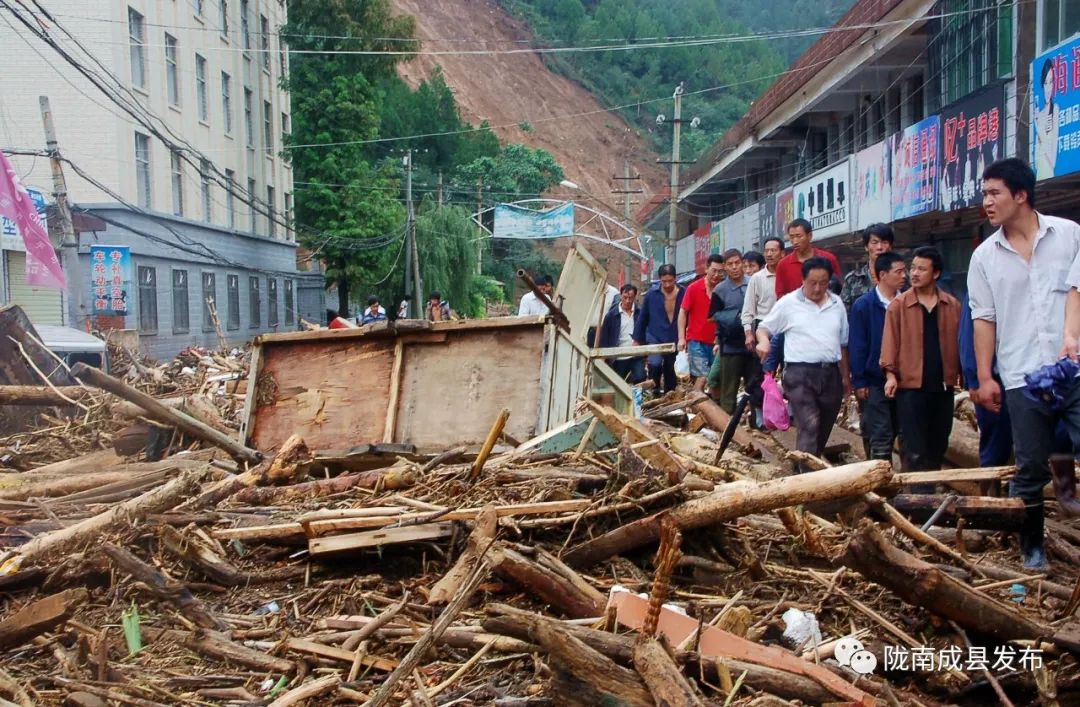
[440,192]
[479,226]
[417,285]
[669,246]
[69,244]
[626,191]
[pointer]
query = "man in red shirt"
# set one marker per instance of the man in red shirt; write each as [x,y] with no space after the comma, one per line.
[789,269]
[697,330]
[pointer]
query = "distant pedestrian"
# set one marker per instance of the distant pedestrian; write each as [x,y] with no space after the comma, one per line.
[437,309]
[697,330]
[879,422]
[735,363]
[877,238]
[815,328]
[658,324]
[921,360]
[760,298]
[530,304]
[753,261]
[618,331]
[373,313]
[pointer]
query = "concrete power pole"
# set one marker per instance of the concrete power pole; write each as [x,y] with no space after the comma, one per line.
[479,228]
[418,287]
[669,246]
[69,244]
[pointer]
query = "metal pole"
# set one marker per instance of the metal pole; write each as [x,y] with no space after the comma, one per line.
[418,287]
[669,246]
[69,244]
[479,228]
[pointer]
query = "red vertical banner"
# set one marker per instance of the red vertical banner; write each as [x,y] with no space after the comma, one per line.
[701,248]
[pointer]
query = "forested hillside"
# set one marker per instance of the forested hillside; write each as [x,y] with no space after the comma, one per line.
[731,73]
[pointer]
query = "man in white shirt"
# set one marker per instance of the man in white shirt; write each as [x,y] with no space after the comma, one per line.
[530,304]
[1018,282]
[816,378]
[761,290]
[618,330]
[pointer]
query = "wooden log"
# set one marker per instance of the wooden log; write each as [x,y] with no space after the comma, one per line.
[39,617]
[737,499]
[43,394]
[963,450]
[317,527]
[392,479]
[662,676]
[32,484]
[88,531]
[196,551]
[201,408]
[578,480]
[161,413]
[162,586]
[307,691]
[217,645]
[340,655]
[629,429]
[318,547]
[585,677]
[718,420]
[550,580]
[924,585]
[981,512]
[480,539]
[489,444]
[286,466]
[132,411]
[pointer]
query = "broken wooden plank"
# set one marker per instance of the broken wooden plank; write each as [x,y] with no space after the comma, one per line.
[943,476]
[43,394]
[550,580]
[980,512]
[479,542]
[162,586]
[629,429]
[322,650]
[662,676]
[39,617]
[376,538]
[217,645]
[736,499]
[643,350]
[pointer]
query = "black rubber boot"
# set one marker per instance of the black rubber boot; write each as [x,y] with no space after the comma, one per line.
[1031,537]
[1063,470]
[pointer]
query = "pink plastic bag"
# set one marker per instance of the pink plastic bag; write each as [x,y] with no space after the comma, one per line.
[774,409]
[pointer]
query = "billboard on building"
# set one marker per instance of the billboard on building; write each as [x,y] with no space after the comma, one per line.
[110,279]
[767,221]
[701,248]
[741,229]
[516,222]
[785,210]
[825,200]
[1055,111]
[871,197]
[915,155]
[684,254]
[972,136]
[717,237]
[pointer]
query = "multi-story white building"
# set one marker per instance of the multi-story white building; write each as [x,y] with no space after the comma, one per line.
[207,75]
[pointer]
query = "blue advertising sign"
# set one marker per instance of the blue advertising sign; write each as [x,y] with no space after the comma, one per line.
[516,222]
[9,232]
[1055,111]
[915,153]
[110,279]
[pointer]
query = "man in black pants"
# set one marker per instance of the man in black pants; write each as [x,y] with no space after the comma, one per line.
[921,360]
[658,324]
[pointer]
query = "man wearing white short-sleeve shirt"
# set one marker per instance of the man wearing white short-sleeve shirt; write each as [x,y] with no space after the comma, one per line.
[1018,282]
[816,377]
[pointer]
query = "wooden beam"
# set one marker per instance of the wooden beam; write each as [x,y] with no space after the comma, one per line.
[644,350]
[378,538]
[992,473]
[321,650]
[395,392]
[42,394]
[38,617]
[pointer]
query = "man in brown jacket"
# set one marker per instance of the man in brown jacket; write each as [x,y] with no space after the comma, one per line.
[920,357]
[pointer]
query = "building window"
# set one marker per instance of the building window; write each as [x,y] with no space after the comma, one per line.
[282,61]
[204,187]
[971,47]
[271,211]
[137,37]
[147,300]
[249,125]
[230,197]
[252,212]
[226,102]
[176,170]
[232,283]
[271,302]
[181,313]
[286,126]
[198,6]
[268,128]
[264,42]
[200,89]
[209,301]
[223,17]
[1059,19]
[290,317]
[172,70]
[254,303]
[142,169]
[288,216]
[245,30]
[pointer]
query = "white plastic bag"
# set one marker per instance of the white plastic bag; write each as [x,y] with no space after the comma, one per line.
[682,364]
[801,628]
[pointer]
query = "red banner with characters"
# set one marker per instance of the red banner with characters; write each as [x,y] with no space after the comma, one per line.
[701,248]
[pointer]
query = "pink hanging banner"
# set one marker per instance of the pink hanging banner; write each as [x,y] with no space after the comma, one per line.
[42,266]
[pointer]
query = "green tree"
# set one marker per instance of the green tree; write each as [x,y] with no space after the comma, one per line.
[446,240]
[517,172]
[348,211]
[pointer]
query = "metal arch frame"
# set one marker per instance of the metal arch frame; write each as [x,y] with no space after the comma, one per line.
[605,222]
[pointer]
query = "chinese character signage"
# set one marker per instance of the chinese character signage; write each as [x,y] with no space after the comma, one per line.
[785,210]
[915,153]
[825,200]
[517,222]
[110,279]
[767,224]
[871,197]
[972,136]
[717,237]
[1055,111]
[701,248]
